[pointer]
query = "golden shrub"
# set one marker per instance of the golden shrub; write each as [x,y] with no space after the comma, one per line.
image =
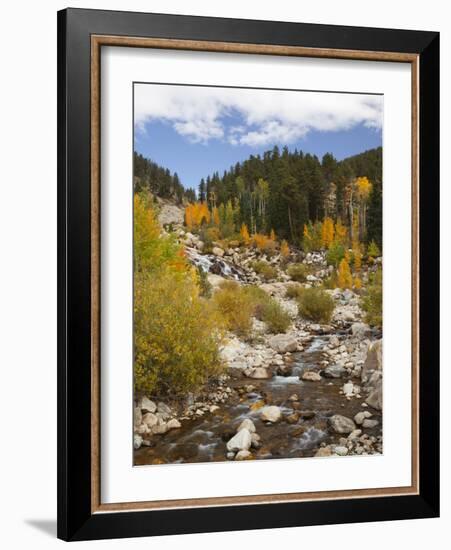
[177,334]
[236,307]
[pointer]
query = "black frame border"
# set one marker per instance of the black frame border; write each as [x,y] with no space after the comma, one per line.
[75,520]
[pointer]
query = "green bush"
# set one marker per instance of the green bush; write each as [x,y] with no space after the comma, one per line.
[335,254]
[315,304]
[236,307]
[293,291]
[298,272]
[275,317]
[372,301]
[265,270]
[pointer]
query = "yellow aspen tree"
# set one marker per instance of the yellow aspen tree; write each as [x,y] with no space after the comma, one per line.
[215,216]
[357,256]
[189,216]
[340,232]
[357,283]
[364,186]
[344,275]
[284,249]
[244,232]
[272,235]
[327,232]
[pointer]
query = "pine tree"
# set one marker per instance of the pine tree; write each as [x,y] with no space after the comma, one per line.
[374,216]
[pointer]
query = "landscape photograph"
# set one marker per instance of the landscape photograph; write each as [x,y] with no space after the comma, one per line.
[257,274]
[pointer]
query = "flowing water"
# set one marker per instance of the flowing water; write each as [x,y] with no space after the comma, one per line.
[204,439]
[213,264]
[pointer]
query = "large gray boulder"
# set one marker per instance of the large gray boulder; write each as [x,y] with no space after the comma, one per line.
[333,371]
[373,361]
[271,413]
[282,343]
[374,398]
[146,405]
[259,373]
[248,425]
[150,419]
[241,441]
[341,424]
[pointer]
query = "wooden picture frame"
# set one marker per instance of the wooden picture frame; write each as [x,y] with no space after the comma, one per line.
[81,35]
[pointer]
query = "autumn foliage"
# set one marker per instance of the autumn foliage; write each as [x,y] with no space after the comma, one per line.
[328,232]
[196,214]
[344,275]
[176,332]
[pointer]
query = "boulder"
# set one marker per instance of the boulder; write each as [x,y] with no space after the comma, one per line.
[255,441]
[146,405]
[243,455]
[370,423]
[341,424]
[241,441]
[374,399]
[173,424]
[164,410]
[348,389]
[312,376]
[150,419]
[373,361]
[218,251]
[271,413]
[248,425]
[137,441]
[292,418]
[283,343]
[360,330]
[334,371]
[160,429]
[259,373]
[334,342]
[360,417]
[341,450]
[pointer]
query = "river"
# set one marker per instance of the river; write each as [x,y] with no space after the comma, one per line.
[204,439]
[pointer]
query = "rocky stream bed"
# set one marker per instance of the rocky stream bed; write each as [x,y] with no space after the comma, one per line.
[314,391]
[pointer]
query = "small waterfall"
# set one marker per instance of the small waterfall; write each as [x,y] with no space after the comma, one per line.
[212,264]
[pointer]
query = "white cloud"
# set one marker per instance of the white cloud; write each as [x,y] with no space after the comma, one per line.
[266,116]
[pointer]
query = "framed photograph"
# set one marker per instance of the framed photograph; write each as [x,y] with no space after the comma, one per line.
[248,274]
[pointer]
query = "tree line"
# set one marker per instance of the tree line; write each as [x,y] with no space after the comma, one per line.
[284,191]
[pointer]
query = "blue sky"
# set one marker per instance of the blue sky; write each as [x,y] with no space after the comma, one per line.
[196,131]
